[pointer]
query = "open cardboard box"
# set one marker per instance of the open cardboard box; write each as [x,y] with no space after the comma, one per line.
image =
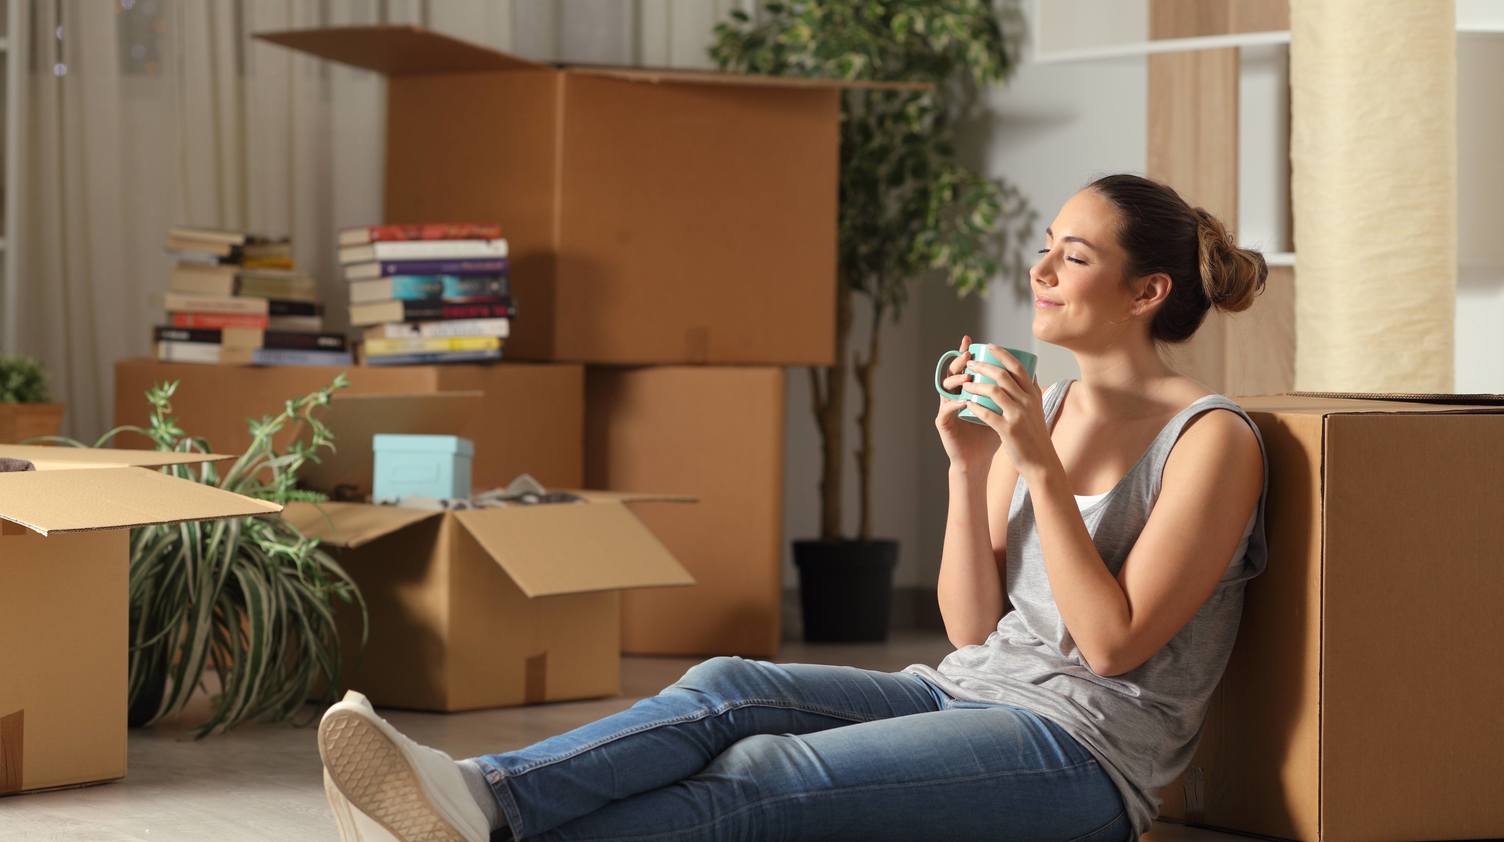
[483,607]
[64,563]
[1361,701]
[652,216]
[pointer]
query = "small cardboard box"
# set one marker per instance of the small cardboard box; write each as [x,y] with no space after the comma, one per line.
[64,561]
[528,418]
[652,216]
[490,607]
[1362,700]
[648,428]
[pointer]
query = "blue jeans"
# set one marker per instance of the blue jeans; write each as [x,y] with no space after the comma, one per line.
[740,749]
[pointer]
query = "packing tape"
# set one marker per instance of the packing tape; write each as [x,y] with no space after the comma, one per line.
[12,732]
[535,679]
[697,345]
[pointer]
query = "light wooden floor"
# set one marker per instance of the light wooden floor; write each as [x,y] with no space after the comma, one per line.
[263,782]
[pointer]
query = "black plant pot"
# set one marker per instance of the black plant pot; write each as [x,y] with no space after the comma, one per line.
[846,589]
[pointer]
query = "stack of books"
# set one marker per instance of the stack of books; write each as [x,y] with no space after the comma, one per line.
[432,293]
[235,298]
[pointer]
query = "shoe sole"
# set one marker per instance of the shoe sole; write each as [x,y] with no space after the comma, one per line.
[374,776]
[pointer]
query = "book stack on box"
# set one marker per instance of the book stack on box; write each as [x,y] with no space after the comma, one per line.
[236,298]
[432,293]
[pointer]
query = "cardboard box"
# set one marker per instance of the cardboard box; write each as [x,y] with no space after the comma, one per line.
[652,216]
[64,562]
[490,607]
[1362,699]
[715,433]
[528,419]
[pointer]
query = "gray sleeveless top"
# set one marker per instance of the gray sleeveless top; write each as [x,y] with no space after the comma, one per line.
[1143,725]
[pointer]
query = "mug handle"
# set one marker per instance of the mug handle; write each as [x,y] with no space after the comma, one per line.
[939,376]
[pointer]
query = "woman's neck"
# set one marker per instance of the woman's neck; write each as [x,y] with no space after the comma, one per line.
[1120,383]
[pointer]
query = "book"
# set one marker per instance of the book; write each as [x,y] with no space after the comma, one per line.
[266,262]
[499,328]
[288,286]
[230,337]
[201,352]
[383,268]
[177,302]
[253,338]
[430,344]
[435,357]
[219,320]
[195,282]
[376,312]
[289,307]
[364,234]
[211,235]
[296,324]
[416,287]
[267,249]
[424,250]
[207,247]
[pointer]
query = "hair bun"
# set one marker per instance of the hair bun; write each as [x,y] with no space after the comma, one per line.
[1232,277]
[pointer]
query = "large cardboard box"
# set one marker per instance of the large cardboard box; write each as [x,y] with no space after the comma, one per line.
[528,418]
[717,434]
[64,562]
[1362,700]
[490,607]
[653,216]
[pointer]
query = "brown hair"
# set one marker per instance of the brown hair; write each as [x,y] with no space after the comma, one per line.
[1161,232]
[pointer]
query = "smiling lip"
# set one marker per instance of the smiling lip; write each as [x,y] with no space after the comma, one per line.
[1045,302]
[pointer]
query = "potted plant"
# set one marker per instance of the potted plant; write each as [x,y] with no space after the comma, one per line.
[909,209]
[24,409]
[250,599]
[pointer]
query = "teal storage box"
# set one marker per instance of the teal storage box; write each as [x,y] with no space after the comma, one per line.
[421,466]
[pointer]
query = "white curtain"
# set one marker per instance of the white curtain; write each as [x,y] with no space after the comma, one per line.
[142,114]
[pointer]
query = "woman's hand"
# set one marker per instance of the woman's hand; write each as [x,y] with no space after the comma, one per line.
[1020,428]
[969,446]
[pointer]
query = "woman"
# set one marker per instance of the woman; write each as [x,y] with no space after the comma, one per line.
[1119,516]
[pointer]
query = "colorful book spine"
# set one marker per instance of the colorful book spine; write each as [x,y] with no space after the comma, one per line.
[289,356]
[431,344]
[431,231]
[449,287]
[435,357]
[500,328]
[384,268]
[215,321]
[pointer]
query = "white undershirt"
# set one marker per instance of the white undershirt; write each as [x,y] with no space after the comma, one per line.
[1084,500]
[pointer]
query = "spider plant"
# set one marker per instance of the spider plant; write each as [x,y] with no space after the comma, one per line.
[251,599]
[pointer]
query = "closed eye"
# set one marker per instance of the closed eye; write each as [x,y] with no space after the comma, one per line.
[1076,260]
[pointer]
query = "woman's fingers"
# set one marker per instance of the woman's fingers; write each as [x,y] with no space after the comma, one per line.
[954,382]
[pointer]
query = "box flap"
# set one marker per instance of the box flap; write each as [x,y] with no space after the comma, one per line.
[397,50]
[87,499]
[1472,399]
[355,420]
[1311,403]
[61,458]
[563,548]
[665,76]
[628,496]
[352,524]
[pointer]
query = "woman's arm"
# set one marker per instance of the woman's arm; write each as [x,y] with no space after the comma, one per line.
[1181,554]
[972,589]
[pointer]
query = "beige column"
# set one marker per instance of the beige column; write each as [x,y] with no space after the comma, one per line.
[1373,151]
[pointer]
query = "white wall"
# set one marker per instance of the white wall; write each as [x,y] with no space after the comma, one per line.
[1480,213]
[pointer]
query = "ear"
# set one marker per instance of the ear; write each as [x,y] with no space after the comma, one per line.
[1152,291]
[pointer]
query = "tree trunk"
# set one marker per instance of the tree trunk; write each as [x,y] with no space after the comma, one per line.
[829,402]
[864,374]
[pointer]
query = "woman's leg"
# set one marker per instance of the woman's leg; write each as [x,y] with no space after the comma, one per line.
[965,773]
[671,736]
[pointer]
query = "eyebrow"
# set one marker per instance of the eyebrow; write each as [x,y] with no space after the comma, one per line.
[1070,239]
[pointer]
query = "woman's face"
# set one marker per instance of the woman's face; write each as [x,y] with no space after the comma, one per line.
[1080,298]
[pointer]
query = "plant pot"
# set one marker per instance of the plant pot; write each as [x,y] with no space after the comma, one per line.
[21,421]
[846,589]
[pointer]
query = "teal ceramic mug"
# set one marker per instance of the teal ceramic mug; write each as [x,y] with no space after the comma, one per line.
[978,352]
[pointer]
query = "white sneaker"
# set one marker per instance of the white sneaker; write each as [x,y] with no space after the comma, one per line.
[409,792]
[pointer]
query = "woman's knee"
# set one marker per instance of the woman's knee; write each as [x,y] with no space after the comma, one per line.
[721,678]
